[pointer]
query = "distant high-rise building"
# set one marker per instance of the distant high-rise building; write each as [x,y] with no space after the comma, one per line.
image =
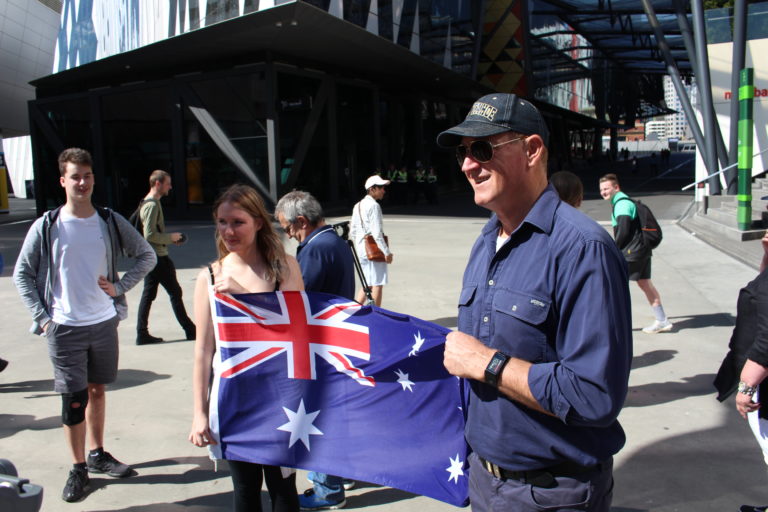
[656,130]
[28,30]
[676,125]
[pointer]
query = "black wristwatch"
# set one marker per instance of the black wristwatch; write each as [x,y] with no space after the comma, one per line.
[494,369]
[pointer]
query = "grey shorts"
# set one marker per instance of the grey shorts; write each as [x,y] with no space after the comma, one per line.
[639,269]
[82,355]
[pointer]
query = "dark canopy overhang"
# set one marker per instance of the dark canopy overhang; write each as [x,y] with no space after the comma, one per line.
[297,33]
[617,30]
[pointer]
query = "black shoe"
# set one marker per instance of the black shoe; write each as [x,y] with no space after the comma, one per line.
[3,364]
[77,484]
[752,508]
[106,463]
[189,332]
[147,339]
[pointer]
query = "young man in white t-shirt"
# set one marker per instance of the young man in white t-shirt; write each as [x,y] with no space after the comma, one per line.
[67,276]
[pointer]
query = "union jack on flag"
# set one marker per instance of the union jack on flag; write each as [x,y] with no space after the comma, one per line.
[314,381]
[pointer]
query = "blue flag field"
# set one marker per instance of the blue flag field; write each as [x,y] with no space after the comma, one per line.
[317,382]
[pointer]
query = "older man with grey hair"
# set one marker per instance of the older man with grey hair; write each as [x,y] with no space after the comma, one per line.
[327,267]
[325,259]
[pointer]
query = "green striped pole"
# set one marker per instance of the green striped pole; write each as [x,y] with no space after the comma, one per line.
[746,95]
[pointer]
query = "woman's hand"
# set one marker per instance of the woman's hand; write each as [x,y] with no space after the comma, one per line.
[227,284]
[744,404]
[200,435]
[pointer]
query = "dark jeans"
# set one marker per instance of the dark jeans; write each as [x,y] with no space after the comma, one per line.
[164,274]
[247,479]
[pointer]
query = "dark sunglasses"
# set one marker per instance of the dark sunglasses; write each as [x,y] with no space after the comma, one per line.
[480,150]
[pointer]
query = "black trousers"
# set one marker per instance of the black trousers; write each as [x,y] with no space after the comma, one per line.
[247,479]
[164,274]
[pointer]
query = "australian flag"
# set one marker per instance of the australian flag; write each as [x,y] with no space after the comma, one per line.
[314,381]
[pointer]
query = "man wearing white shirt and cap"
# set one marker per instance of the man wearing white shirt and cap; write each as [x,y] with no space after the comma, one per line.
[367,220]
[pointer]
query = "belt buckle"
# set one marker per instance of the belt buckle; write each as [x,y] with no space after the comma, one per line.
[492,468]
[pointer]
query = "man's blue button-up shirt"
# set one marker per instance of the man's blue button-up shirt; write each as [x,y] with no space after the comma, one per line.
[326,263]
[555,294]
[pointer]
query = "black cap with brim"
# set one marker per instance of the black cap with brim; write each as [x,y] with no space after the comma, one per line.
[452,137]
[497,113]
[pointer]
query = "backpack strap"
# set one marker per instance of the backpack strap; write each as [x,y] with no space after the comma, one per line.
[613,207]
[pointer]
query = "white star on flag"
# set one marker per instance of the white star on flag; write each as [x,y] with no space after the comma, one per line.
[418,342]
[402,379]
[455,469]
[300,425]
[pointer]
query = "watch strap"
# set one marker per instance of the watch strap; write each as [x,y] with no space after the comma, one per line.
[494,369]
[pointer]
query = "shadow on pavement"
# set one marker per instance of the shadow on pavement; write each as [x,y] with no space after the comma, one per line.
[703,321]
[685,472]
[12,424]
[380,496]
[663,392]
[651,358]
[27,386]
[128,378]
[212,502]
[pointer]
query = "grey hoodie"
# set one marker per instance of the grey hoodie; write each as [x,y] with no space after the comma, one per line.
[37,265]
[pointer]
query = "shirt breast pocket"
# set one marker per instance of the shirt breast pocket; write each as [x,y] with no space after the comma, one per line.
[519,324]
[466,299]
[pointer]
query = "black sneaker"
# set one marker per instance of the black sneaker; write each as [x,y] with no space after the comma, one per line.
[106,463]
[752,508]
[77,484]
[147,339]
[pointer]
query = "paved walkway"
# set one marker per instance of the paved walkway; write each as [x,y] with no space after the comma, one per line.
[684,452]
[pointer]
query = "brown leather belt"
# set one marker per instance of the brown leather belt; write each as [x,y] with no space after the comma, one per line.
[544,477]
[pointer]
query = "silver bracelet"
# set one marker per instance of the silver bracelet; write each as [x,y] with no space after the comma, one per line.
[746,389]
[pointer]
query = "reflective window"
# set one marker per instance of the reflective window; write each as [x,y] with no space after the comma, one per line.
[224,123]
[70,121]
[136,133]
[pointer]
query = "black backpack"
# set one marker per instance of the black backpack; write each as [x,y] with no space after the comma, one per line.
[135,218]
[650,229]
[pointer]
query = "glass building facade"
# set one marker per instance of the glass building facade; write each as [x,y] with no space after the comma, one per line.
[313,94]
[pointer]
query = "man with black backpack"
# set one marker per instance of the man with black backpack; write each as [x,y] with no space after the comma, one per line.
[636,233]
[152,227]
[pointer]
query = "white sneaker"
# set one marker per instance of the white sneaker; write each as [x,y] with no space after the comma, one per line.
[657,326]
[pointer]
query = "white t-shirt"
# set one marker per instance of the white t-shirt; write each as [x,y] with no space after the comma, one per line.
[81,259]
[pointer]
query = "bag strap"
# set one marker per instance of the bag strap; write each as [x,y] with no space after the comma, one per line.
[359,214]
[210,271]
[613,208]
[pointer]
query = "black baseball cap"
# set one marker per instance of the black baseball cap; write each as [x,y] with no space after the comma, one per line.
[497,113]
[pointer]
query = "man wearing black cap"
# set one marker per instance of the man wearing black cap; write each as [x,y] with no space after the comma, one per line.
[544,330]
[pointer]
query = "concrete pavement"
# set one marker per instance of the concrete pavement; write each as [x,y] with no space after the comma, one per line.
[684,452]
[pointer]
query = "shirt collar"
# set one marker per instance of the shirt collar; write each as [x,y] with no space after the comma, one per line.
[618,195]
[541,215]
[313,234]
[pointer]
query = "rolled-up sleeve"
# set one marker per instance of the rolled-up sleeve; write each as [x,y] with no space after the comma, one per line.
[588,383]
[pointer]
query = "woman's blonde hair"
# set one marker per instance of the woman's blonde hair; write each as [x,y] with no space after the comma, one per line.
[267,240]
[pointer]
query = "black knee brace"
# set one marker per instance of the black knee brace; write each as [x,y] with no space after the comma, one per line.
[73,407]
